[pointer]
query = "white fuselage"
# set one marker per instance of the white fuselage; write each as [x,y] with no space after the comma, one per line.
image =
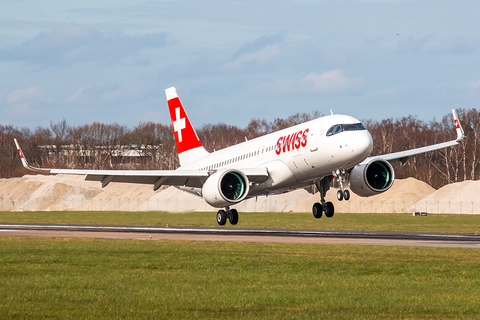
[294,157]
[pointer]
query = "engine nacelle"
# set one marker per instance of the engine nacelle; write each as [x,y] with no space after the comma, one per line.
[225,188]
[371,178]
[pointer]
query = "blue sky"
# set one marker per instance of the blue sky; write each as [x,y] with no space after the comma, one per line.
[110,61]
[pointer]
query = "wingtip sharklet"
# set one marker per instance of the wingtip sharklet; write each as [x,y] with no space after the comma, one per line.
[20,153]
[24,161]
[460,133]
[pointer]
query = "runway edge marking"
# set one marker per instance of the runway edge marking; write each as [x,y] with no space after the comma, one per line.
[250,232]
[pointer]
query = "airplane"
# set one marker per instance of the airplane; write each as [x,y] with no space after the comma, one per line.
[314,152]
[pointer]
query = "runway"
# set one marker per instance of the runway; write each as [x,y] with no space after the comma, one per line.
[244,235]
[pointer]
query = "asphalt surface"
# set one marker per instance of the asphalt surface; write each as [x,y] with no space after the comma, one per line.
[244,235]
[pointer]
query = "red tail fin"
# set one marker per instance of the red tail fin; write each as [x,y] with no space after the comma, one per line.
[189,146]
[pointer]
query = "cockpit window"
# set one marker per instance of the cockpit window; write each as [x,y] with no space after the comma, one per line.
[349,127]
[345,127]
[330,131]
[360,126]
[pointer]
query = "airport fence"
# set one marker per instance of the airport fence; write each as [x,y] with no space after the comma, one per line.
[264,204]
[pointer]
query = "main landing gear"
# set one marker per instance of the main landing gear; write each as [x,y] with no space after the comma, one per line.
[323,207]
[230,214]
[323,186]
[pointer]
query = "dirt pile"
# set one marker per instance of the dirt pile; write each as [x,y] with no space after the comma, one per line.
[68,192]
[461,197]
[403,194]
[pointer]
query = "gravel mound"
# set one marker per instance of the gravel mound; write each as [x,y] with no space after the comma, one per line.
[402,195]
[69,192]
[462,197]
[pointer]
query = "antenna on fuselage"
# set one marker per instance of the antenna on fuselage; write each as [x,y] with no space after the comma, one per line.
[331,112]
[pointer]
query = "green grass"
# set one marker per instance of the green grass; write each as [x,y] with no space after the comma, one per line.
[341,221]
[124,279]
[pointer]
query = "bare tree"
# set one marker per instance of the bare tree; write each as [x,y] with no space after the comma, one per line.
[109,146]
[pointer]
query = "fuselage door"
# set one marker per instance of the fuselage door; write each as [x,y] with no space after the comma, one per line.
[313,140]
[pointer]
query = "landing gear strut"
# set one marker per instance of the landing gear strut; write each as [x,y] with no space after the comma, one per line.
[230,214]
[323,207]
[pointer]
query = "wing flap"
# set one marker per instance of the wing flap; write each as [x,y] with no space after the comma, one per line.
[189,178]
[256,175]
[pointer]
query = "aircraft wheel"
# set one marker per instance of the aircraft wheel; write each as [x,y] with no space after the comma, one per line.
[233,216]
[346,195]
[221,217]
[340,195]
[329,210]
[317,210]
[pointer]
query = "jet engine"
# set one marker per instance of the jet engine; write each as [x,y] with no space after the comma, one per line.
[225,188]
[371,178]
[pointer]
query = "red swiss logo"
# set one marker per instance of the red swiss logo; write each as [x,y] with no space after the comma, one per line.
[292,141]
[185,136]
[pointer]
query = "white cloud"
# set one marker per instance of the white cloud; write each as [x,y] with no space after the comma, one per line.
[76,97]
[280,87]
[412,45]
[455,45]
[475,85]
[25,95]
[20,103]
[260,57]
[332,82]
[124,93]
[327,83]
[257,44]
[73,43]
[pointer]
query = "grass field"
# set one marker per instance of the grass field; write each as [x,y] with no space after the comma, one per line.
[341,221]
[132,279]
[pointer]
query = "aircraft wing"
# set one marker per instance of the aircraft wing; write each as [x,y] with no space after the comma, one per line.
[403,156]
[157,178]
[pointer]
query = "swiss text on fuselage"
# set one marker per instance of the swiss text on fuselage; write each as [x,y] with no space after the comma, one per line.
[292,141]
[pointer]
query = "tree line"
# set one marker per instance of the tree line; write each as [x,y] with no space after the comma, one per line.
[152,146]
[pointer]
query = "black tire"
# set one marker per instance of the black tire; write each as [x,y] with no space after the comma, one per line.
[329,210]
[317,210]
[233,216]
[339,195]
[346,195]
[221,217]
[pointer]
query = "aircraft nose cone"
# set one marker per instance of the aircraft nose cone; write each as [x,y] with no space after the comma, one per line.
[363,143]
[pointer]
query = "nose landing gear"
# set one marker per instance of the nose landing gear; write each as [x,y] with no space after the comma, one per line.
[342,193]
